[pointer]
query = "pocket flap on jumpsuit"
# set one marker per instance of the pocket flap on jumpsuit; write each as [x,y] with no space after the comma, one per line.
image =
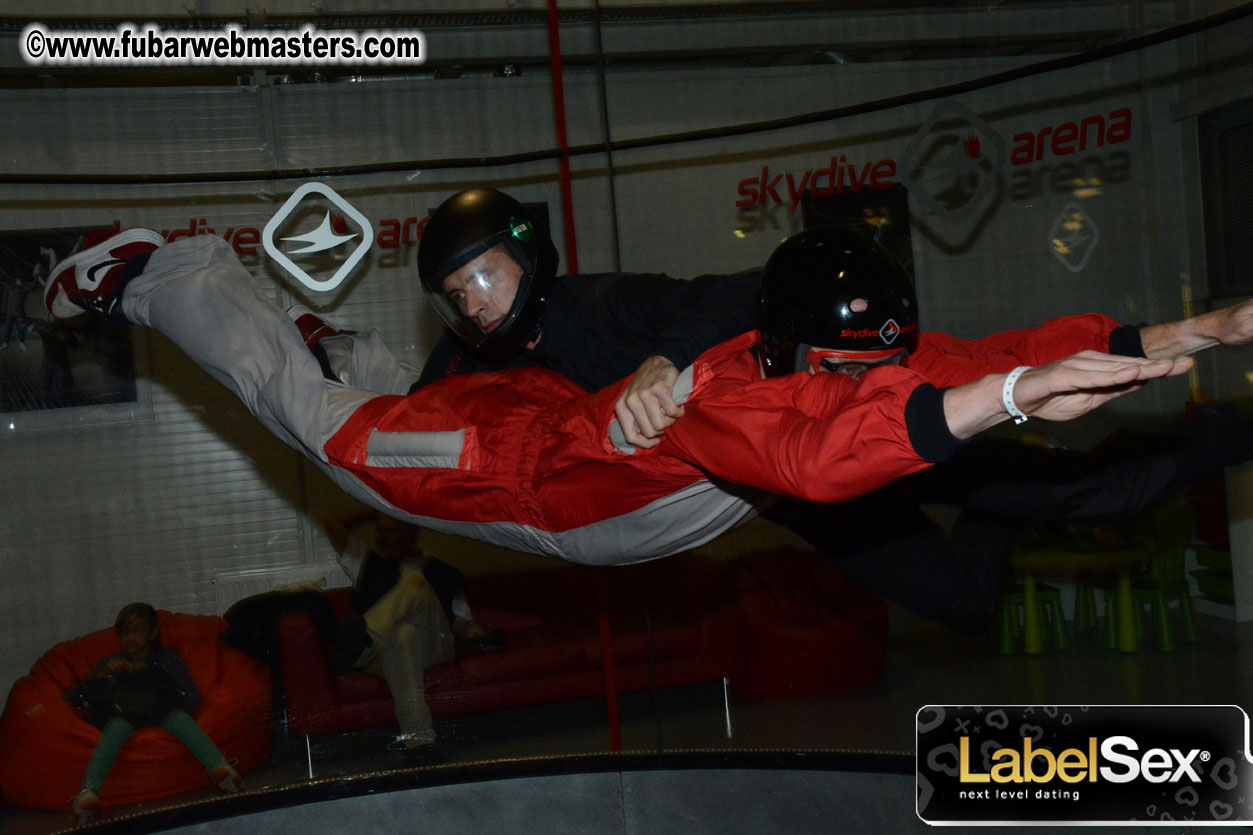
[415,449]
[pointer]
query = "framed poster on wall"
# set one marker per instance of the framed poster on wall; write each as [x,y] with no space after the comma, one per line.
[65,372]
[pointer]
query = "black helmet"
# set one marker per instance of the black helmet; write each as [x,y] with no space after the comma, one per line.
[835,289]
[464,227]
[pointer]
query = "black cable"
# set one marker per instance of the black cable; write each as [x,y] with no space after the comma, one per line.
[945,91]
[948,90]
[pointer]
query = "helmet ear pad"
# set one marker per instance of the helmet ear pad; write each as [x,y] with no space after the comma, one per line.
[464,227]
[833,288]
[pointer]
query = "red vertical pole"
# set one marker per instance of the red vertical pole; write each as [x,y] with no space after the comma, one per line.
[606,658]
[572,260]
[559,120]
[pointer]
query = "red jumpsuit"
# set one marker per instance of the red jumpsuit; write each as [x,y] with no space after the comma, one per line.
[525,457]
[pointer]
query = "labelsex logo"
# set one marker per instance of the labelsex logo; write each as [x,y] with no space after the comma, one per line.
[1156,765]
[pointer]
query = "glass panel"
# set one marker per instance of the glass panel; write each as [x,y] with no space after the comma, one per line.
[1019,163]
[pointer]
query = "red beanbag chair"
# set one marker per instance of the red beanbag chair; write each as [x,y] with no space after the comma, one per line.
[45,745]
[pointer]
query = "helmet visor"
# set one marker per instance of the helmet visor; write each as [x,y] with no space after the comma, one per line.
[852,363]
[482,297]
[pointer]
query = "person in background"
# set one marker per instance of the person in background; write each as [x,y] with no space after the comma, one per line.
[144,684]
[15,320]
[410,609]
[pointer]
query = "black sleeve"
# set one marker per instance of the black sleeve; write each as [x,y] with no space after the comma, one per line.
[74,694]
[176,668]
[447,359]
[928,428]
[681,318]
[1125,341]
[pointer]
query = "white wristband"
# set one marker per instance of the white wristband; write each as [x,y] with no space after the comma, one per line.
[1007,394]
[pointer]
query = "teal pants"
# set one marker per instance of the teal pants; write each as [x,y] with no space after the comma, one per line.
[116,731]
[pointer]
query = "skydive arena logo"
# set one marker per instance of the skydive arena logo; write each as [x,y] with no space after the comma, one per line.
[888,332]
[326,233]
[1073,237]
[952,166]
[1091,765]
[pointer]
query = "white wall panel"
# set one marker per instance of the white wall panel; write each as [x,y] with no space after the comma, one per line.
[144,131]
[376,122]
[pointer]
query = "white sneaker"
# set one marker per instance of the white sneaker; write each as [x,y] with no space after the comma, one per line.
[226,778]
[84,805]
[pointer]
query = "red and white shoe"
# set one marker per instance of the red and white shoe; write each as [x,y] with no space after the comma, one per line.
[313,328]
[92,279]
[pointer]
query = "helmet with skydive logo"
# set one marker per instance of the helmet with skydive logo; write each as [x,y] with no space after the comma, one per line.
[833,294]
[464,227]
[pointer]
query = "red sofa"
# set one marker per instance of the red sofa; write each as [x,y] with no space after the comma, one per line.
[699,609]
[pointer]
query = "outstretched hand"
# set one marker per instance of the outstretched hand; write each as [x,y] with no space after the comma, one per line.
[1061,390]
[1228,326]
[1074,386]
[646,407]
[1234,325]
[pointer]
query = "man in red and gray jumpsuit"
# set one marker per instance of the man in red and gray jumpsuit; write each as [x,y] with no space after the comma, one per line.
[525,459]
